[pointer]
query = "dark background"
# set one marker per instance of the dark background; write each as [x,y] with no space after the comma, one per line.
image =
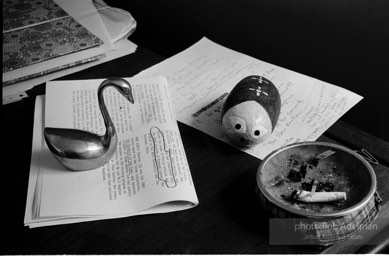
[343,42]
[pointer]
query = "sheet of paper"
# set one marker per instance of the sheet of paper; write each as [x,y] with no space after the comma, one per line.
[149,172]
[201,77]
[119,23]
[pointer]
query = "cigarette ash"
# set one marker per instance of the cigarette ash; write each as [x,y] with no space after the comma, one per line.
[299,172]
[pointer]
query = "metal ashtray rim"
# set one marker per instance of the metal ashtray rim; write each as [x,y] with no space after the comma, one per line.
[340,213]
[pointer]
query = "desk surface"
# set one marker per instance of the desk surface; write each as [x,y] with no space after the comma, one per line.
[228,219]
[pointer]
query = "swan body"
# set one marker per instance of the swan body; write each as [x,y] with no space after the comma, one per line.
[81,150]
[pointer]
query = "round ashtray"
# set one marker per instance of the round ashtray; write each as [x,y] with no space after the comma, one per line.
[316,167]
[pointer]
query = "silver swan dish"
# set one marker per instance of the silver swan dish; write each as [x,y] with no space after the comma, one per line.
[81,150]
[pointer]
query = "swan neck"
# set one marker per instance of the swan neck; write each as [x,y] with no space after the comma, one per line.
[109,126]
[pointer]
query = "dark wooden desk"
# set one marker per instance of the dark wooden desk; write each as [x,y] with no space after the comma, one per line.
[228,219]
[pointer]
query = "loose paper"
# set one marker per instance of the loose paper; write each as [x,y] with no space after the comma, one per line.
[201,77]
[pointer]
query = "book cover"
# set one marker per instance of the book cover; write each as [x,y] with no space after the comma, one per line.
[38,30]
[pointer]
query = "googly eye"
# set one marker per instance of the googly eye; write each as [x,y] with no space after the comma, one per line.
[238,124]
[259,131]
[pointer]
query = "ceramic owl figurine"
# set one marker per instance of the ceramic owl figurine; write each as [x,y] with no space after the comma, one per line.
[251,110]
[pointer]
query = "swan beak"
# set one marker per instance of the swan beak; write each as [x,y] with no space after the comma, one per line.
[130,98]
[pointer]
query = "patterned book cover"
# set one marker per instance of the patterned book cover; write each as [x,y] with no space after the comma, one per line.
[38,30]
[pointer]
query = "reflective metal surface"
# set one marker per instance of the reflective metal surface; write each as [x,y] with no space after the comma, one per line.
[81,150]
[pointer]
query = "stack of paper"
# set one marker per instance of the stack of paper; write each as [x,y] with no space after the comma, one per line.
[148,173]
[43,40]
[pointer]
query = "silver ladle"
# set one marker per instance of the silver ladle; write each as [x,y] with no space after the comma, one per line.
[81,150]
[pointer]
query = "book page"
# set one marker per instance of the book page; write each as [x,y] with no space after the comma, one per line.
[201,77]
[35,157]
[148,169]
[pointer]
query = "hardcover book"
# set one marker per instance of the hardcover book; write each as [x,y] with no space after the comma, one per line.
[38,30]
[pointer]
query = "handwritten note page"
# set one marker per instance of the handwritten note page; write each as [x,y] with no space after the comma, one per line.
[148,173]
[201,77]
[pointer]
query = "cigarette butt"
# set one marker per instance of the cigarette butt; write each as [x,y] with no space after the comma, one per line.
[314,185]
[325,154]
[319,197]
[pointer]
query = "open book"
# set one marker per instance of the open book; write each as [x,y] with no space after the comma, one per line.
[148,173]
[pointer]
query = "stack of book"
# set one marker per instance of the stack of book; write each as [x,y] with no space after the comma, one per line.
[47,39]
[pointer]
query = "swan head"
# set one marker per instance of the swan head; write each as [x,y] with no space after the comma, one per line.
[127,93]
[122,85]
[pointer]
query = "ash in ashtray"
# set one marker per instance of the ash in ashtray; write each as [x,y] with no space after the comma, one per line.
[292,161]
[298,172]
[294,183]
